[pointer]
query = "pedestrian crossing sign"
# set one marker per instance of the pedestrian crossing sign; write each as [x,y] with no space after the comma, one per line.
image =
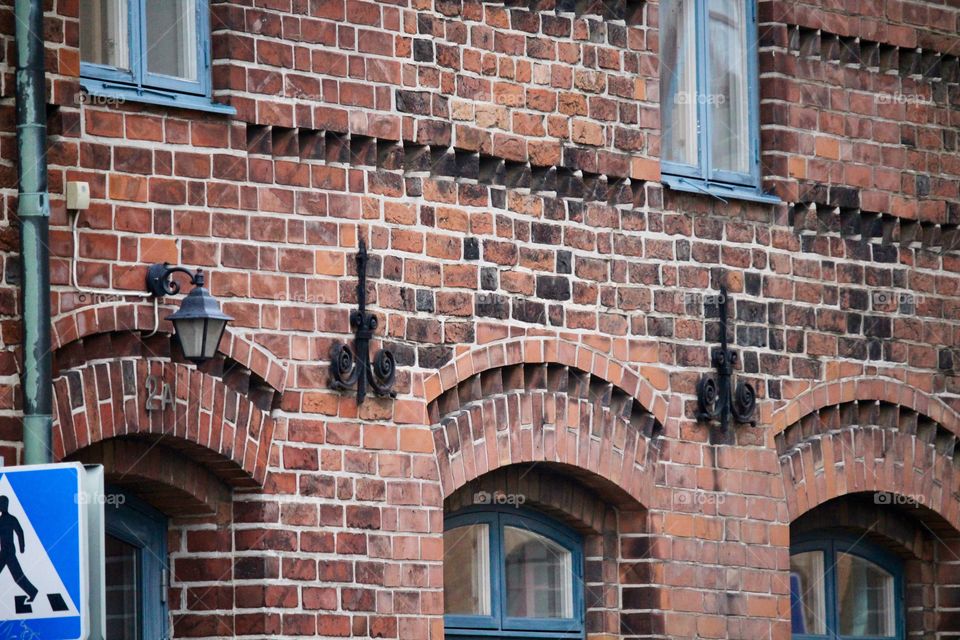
[43,552]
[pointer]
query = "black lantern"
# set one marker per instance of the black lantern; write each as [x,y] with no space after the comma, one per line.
[198,323]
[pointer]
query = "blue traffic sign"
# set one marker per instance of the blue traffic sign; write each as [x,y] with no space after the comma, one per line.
[43,553]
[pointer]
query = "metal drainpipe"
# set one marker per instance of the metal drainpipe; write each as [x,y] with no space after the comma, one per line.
[33,210]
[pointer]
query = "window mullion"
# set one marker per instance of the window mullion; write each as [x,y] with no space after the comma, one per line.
[138,64]
[703,74]
[830,578]
[753,85]
[204,40]
[498,582]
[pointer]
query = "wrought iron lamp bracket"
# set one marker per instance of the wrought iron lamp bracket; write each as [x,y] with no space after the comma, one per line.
[351,365]
[160,280]
[717,398]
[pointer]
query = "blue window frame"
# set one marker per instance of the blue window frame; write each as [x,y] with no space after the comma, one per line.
[153,52]
[511,573]
[709,98]
[843,587]
[136,569]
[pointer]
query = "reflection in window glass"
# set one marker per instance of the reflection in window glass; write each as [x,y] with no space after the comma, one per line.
[807,593]
[678,82]
[172,38]
[466,570]
[538,576]
[122,590]
[727,99]
[865,599]
[103,33]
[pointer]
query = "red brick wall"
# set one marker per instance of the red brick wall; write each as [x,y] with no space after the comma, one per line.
[541,289]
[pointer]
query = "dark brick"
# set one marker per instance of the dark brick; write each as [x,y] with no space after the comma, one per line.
[471,249]
[553,287]
[492,305]
[529,311]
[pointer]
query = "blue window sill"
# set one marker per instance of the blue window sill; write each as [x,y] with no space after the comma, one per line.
[108,91]
[718,190]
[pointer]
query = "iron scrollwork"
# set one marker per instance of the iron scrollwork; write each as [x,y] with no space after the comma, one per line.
[160,282]
[715,398]
[351,366]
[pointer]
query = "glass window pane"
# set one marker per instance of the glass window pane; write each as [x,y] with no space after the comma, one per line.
[172,38]
[807,593]
[466,570]
[538,575]
[865,598]
[678,82]
[123,590]
[103,33]
[728,98]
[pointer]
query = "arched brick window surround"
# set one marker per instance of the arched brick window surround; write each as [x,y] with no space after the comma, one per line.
[619,600]
[124,317]
[172,483]
[913,458]
[849,389]
[544,400]
[220,418]
[923,540]
[846,442]
[647,385]
[869,444]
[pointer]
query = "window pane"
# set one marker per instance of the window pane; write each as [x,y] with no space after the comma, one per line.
[678,82]
[123,590]
[728,99]
[466,570]
[807,600]
[172,38]
[103,33]
[865,599]
[539,578]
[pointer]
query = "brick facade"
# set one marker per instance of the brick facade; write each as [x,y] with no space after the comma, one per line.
[543,293]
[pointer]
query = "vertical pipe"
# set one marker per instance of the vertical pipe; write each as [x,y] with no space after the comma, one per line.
[33,211]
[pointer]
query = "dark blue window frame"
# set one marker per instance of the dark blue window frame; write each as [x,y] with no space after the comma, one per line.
[498,625]
[832,543]
[703,178]
[139,525]
[139,85]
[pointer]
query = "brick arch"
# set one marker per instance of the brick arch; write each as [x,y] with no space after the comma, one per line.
[903,530]
[555,351]
[858,461]
[864,448]
[126,317]
[529,401]
[218,422]
[552,489]
[172,483]
[889,391]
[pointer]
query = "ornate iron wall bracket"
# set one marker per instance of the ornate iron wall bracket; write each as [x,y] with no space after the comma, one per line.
[715,398]
[160,283]
[352,366]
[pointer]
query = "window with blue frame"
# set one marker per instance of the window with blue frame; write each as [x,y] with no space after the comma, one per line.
[709,97]
[844,588]
[511,573]
[136,568]
[148,51]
